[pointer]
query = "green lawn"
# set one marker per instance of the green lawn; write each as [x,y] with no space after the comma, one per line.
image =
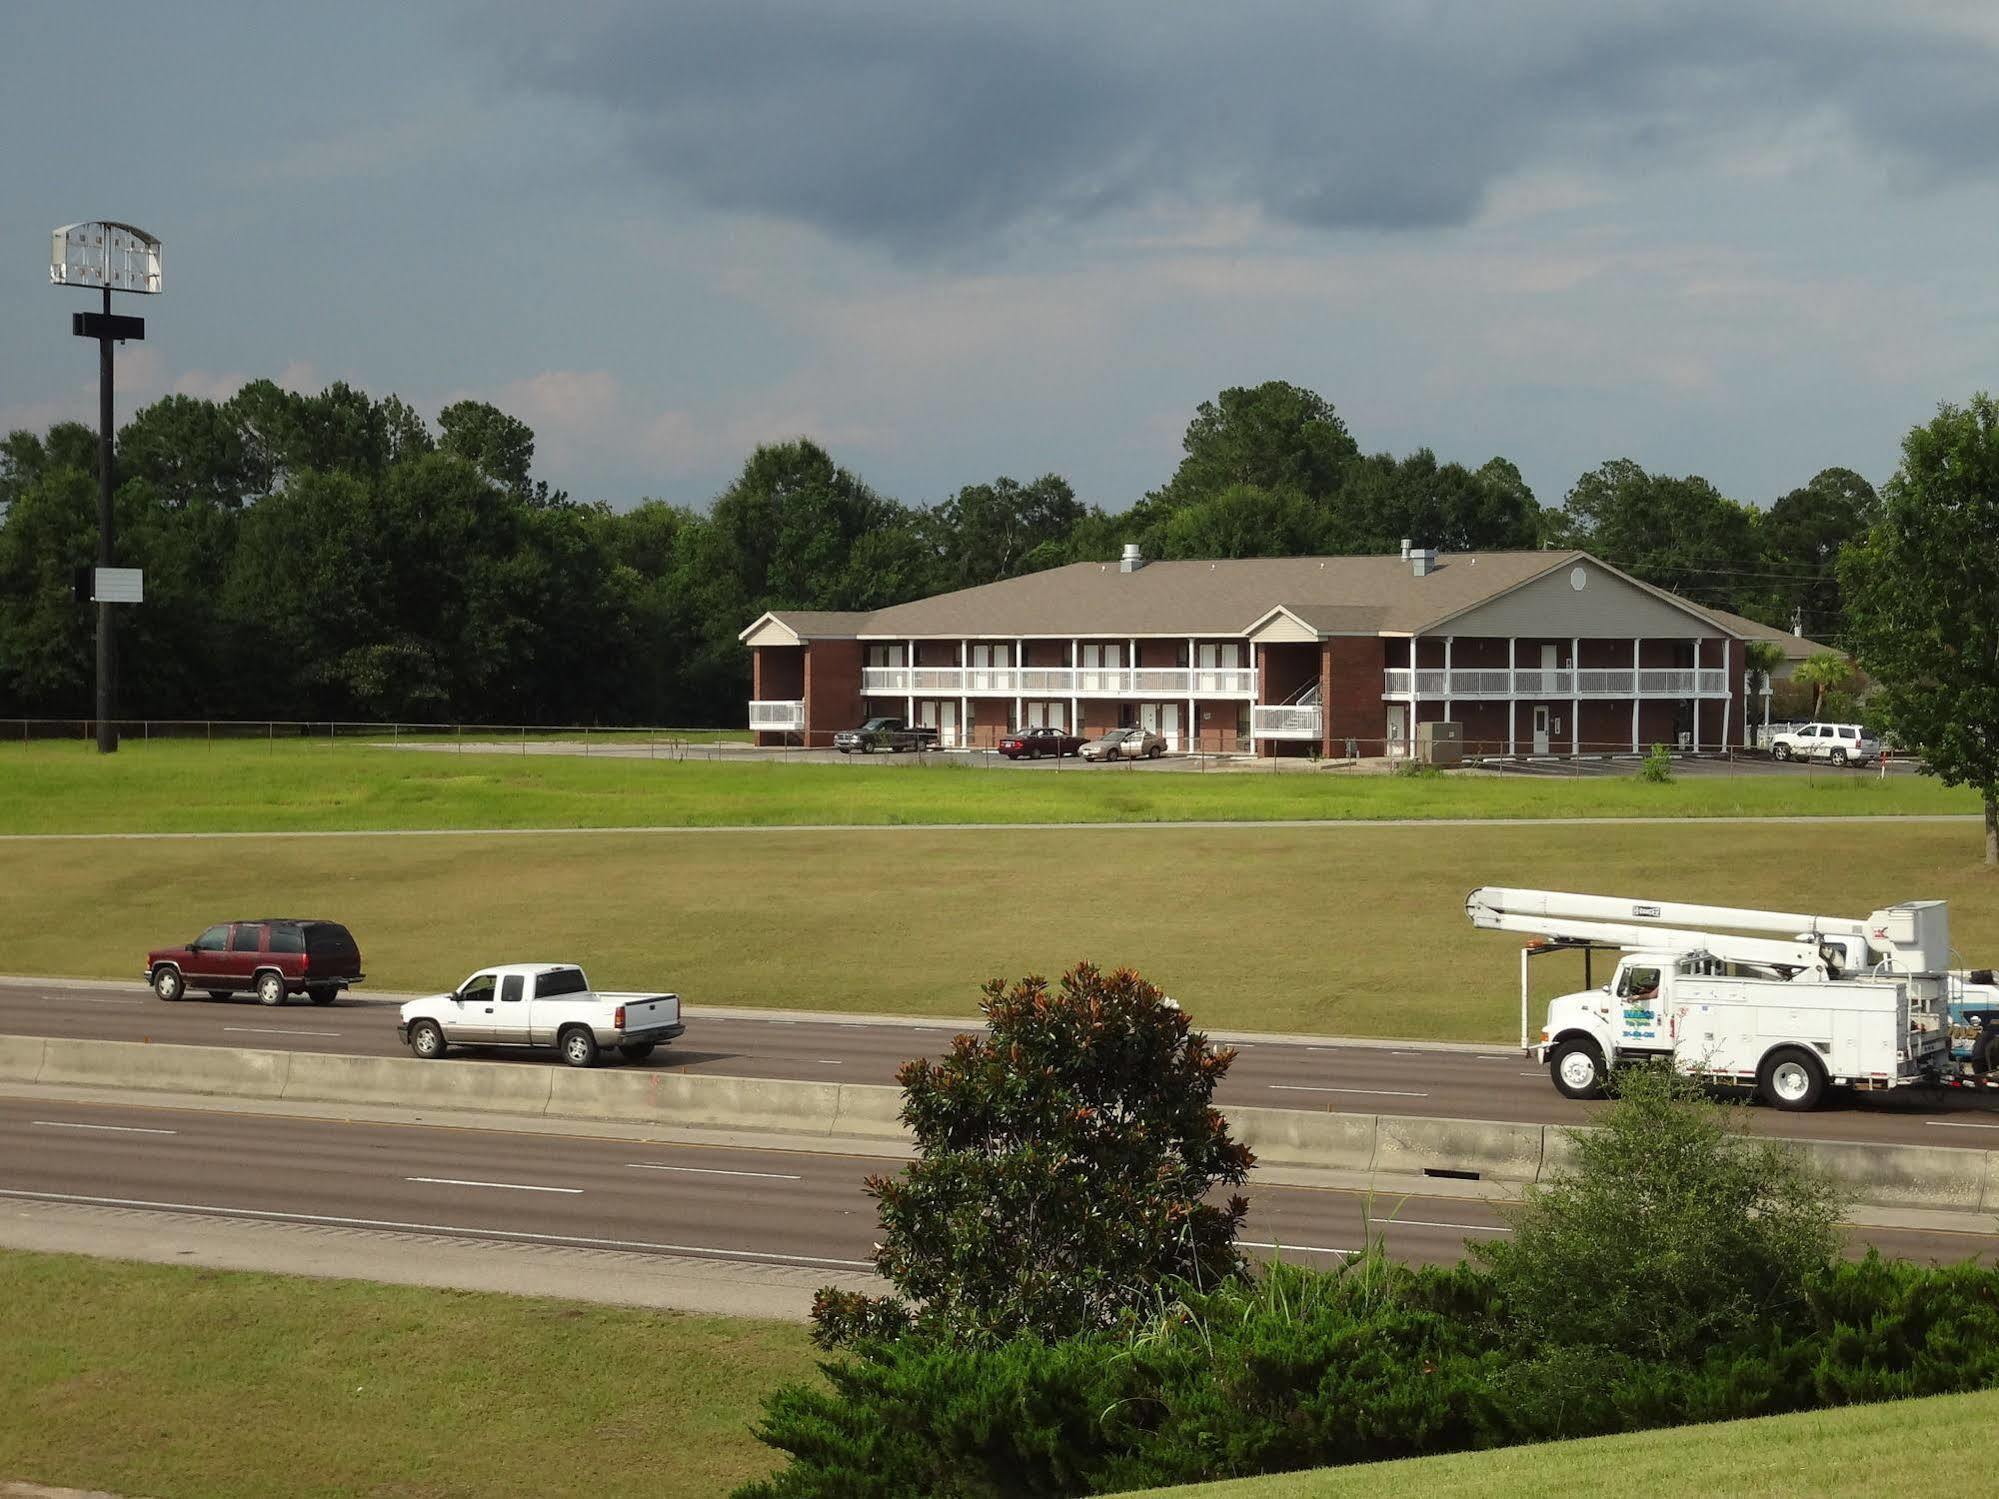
[1860,1452]
[169,1381]
[294,785]
[1333,929]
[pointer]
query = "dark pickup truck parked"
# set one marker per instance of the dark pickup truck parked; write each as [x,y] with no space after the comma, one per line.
[884,734]
[272,958]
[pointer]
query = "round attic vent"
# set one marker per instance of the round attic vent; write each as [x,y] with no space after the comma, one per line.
[1578,578]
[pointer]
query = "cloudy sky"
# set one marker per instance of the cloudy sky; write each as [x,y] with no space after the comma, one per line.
[954,241]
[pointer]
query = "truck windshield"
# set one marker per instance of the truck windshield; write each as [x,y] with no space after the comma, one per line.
[879,723]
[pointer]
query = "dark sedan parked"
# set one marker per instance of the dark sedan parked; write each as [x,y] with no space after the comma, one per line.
[1034,743]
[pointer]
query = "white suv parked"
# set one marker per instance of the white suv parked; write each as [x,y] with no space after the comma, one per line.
[1840,743]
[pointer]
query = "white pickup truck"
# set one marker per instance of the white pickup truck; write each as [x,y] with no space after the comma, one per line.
[540,1005]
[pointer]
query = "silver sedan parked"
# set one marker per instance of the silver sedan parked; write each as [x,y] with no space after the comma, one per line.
[1125,744]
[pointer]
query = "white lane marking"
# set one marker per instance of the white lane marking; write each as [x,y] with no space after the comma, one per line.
[1325,1048]
[1957,1124]
[432,1228]
[1300,1248]
[97,999]
[1405,1053]
[1477,1228]
[272,1030]
[1492,1059]
[775,1176]
[122,1129]
[1535,1073]
[453,1181]
[1372,1092]
[830,1062]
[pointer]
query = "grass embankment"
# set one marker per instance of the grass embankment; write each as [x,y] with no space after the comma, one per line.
[1855,1453]
[1335,930]
[171,1381]
[295,786]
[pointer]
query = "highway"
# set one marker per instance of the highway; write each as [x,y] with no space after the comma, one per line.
[1499,1084]
[741,1205]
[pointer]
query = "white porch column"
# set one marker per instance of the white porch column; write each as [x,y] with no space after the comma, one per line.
[909,662]
[1575,695]
[1635,679]
[1409,727]
[1447,674]
[1019,677]
[1697,694]
[1075,702]
[1512,696]
[964,698]
[1193,722]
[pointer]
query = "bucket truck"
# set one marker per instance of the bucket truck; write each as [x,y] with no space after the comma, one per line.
[1788,1002]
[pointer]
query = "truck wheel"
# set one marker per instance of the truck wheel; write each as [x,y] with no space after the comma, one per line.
[846,752]
[1781,752]
[426,1041]
[320,994]
[1985,1053]
[579,1047]
[1791,1078]
[636,1051]
[1577,1068]
[168,984]
[270,988]
[1838,757]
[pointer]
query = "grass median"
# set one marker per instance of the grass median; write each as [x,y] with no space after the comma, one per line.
[1333,929]
[170,1381]
[308,786]
[1855,1453]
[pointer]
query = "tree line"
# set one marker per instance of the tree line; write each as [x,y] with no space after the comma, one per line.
[336,556]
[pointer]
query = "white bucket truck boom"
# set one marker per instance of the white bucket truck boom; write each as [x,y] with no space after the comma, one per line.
[1788,1002]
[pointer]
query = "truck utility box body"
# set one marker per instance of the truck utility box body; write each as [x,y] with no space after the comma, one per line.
[1725,1025]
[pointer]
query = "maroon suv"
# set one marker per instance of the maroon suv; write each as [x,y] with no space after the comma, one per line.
[272,959]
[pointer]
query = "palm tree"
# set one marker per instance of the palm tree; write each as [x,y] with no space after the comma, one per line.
[1826,670]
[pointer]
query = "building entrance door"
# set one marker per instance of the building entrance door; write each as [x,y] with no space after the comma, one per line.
[1398,729]
[1162,719]
[1541,730]
[940,714]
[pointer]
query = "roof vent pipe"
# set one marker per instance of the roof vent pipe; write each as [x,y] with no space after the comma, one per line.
[1131,561]
[1407,545]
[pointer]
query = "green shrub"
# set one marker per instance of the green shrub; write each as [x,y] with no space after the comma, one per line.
[1415,770]
[1657,766]
[1674,1230]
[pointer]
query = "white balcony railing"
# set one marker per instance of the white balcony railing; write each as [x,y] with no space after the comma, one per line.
[1059,681]
[777,717]
[1487,682]
[1286,721]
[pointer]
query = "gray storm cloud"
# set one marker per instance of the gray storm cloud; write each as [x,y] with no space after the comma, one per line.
[930,128]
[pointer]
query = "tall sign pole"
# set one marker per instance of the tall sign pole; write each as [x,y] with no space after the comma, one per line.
[110,257]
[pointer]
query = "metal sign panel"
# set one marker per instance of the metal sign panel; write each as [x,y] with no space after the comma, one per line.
[97,325]
[103,253]
[119,585]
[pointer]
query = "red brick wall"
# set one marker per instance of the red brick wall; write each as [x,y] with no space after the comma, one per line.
[777,673]
[990,718]
[936,653]
[832,689]
[1655,723]
[1350,687]
[1606,725]
[1047,653]
[1663,654]
[1483,651]
[1100,716]
[1484,725]
[1606,654]
[1284,669]
[1160,654]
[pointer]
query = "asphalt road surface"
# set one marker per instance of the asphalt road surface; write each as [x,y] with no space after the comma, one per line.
[1499,1084]
[765,1206]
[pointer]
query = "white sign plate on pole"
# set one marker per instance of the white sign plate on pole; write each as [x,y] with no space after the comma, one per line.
[118,585]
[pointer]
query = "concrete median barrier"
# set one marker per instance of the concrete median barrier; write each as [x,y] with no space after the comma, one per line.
[696,1101]
[21,1058]
[870,1111]
[509,1087]
[1903,1176]
[228,1070]
[1407,1146]
[1299,1137]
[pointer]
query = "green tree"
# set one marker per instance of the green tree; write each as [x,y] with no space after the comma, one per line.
[1274,436]
[1803,534]
[1447,506]
[1922,608]
[1761,658]
[1680,534]
[1065,1159]
[499,446]
[1240,521]
[1677,1229]
[1823,671]
[986,532]
[190,451]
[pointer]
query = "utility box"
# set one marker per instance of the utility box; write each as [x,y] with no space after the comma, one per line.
[1440,743]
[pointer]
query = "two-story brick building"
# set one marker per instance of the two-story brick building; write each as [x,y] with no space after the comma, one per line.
[1534,653]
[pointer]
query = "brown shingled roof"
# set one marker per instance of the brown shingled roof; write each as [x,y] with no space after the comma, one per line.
[1796,647]
[1336,595]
